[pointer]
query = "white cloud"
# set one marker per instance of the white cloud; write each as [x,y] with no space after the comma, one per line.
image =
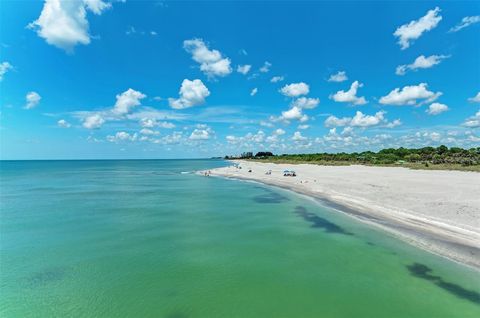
[297,136]
[294,113]
[306,102]
[333,121]
[409,95]
[191,93]
[266,67]
[4,68]
[475,99]
[347,131]
[272,139]
[212,63]
[303,127]
[174,138]
[414,29]
[146,131]
[166,125]
[127,101]
[32,98]
[349,96]
[248,138]
[93,122]
[97,6]
[123,110]
[466,21]
[64,24]
[436,108]
[435,136]
[244,69]
[393,124]
[148,122]
[199,134]
[421,62]
[295,89]
[63,123]
[361,120]
[277,79]
[266,124]
[254,92]
[279,132]
[341,76]
[152,122]
[473,121]
[122,136]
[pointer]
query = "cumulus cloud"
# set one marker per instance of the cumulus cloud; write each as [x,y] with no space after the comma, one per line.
[466,21]
[393,124]
[361,120]
[294,113]
[341,76]
[202,132]
[303,127]
[122,136]
[409,95]
[279,132]
[147,131]
[473,121]
[266,67]
[475,99]
[421,62]
[349,96]
[254,92]
[295,89]
[277,79]
[212,63]
[192,93]
[266,124]
[94,121]
[244,69]
[297,136]
[64,24]
[411,31]
[127,100]
[32,99]
[306,102]
[122,109]
[152,122]
[63,123]
[436,108]
[333,121]
[247,139]
[4,68]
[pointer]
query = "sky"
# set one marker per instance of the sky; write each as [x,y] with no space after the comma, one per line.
[99,79]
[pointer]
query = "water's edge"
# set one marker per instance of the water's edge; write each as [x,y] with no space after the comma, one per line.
[424,241]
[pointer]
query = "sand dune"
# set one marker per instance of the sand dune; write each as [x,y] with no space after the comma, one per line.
[435,210]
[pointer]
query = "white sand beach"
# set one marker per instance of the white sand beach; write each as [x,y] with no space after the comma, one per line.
[435,210]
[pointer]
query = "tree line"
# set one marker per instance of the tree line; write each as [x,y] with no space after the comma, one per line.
[425,155]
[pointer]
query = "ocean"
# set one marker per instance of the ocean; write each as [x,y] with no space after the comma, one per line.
[149,238]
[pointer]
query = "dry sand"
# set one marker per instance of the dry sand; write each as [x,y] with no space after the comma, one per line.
[436,210]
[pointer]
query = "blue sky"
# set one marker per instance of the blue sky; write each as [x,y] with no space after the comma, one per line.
[139,79]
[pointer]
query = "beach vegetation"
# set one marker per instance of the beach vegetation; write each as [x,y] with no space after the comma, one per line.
[441,157]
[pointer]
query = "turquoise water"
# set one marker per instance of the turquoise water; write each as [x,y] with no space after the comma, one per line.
[143,239]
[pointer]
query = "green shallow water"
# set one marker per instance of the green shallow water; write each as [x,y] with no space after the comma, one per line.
[141,239]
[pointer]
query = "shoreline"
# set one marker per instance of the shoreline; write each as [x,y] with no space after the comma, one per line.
[445,234]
